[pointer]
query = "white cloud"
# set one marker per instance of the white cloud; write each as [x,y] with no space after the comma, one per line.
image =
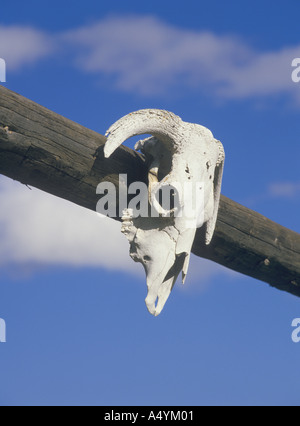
[146,55]
[284,190]
[36,227]
[20,45]
[264,74]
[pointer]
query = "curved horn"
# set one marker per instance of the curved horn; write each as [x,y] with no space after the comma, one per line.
[159,123]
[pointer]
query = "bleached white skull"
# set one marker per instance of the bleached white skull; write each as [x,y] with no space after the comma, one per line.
[179,155]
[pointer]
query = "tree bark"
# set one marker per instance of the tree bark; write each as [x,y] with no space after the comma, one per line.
[43,149]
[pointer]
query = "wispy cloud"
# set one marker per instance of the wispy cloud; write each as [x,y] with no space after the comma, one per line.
[146,56]
[287,191]
[284,190]
[21,46]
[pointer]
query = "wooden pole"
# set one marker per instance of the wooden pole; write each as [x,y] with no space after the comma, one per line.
[43,149]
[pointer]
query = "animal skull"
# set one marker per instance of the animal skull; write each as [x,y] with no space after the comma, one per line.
[178,154]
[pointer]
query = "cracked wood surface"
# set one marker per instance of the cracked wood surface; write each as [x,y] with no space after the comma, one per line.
[43,149]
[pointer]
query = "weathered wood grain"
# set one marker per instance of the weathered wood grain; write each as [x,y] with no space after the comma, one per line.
[43,149]
[248,242]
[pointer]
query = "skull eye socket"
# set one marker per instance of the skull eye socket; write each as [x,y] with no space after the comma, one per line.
[146,258]
[167,197]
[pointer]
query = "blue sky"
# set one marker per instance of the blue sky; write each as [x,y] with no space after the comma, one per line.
[78,331]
